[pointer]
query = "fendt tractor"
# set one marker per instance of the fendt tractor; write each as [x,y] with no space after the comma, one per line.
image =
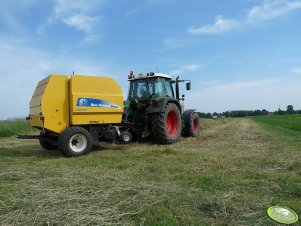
[75,112]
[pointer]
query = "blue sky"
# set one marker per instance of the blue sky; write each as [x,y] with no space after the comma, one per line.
[239,54]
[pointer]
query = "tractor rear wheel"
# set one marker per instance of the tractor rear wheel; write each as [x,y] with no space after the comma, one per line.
[166,126]
[192,125]
[75,141]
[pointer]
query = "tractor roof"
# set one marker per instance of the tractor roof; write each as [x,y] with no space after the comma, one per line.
[148,75]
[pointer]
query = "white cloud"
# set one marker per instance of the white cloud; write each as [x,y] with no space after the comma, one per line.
[81,22]
[296,70]
[221,25]
[64,7]
[192,67]
[186,68]
[132,11]
[248,95]
[176,72]
[79,14]
[175,43]
[268,10]
[272,8]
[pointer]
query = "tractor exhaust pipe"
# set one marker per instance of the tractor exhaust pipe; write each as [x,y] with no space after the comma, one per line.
[177,89]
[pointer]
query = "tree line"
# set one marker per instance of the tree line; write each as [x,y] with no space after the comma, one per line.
[245,113]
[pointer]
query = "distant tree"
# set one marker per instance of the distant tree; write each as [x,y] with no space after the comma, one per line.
[251,113]
[227,114]
[264,112]
[241,113]
[208,115]
[280,112]
[257,112]
[202,115]
[290,109]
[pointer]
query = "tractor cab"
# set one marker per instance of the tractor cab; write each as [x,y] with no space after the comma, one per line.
[149,86]
[145,92]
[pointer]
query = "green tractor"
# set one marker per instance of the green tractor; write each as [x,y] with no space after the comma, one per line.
[154,107]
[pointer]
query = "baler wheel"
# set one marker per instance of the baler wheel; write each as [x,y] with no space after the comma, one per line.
[166,126]
[47,145]
[46,142]
[75,141]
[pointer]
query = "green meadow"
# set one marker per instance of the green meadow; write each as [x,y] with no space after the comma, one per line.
[228,176]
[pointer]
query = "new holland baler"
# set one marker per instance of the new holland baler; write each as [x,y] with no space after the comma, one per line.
[61,107]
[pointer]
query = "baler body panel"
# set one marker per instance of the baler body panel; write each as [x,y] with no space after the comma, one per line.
[95,100]
[49,105]
[59,102]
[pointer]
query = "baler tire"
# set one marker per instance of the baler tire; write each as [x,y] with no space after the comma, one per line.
[166,126]
[194,126]
[70,135]
[47,145]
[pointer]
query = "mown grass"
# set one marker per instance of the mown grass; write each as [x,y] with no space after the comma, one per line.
[15,126]
[230,176]
[283,125]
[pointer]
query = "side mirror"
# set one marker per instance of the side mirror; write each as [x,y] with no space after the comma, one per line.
[188,86]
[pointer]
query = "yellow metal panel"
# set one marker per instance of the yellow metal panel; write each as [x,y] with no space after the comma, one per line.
[55,104]
[51,100]
[103,118]
[95,100]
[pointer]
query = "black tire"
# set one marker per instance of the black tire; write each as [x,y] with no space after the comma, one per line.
[192,125]
[166,126]
[47,142]
[126,137]
[75,141]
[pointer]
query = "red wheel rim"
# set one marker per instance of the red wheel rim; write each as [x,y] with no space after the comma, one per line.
[172,124]
[196,125]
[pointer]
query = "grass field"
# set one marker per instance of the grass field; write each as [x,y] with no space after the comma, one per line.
[230,176]
[283,125]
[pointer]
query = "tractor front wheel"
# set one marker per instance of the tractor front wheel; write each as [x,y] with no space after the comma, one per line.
[166,126]
[126,137]
[75,141]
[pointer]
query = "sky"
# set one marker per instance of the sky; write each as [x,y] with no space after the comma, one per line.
[238,54]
